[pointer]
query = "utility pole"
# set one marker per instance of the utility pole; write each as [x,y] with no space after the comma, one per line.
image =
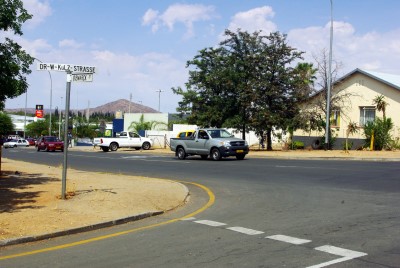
[159,97]
[329,83]
[130,101]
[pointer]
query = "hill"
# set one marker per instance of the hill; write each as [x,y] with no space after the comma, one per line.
[111,107]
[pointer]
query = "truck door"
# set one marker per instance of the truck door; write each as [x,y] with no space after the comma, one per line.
[200,142]
[135,140]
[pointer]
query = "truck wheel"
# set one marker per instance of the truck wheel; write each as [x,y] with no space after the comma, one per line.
[215,154]
[146,146]
[204,157]
[181,153]
[113,146]
[105,149]
[240,156]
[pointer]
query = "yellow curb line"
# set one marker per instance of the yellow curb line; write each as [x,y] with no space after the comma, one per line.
[210,202]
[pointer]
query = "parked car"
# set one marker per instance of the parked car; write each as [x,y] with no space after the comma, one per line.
[32,142]
[16,143]
[49,143]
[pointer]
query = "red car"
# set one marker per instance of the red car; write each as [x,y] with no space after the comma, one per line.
[32,142]
[50,143]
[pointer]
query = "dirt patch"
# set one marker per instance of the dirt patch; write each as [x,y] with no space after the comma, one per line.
[30,201]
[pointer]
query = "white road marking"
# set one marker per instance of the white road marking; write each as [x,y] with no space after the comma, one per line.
[211,223]
[289,239]
[188,219]
[346,255]
[245,230]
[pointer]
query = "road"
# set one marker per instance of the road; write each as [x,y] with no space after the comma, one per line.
[267,213]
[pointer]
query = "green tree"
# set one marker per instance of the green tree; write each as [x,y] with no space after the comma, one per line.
[6,125]
[246,83]
[381,104]
[14,61]
[351,129]
[38,128]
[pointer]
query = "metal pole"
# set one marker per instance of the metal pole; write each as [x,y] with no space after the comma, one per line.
[159,97]
[329,83]
[26,101]
[65,163]
[59,120]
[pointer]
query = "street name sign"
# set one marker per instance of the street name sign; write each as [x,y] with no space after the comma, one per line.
[60,67]
[82,77]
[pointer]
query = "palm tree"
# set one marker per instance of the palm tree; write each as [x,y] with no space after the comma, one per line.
[351,129]
[143,125]
[381,104]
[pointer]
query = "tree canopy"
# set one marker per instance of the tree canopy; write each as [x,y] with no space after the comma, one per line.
[6,125]
[249,82]
[14,61]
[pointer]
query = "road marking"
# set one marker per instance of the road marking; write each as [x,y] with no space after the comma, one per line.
[289,239]
[188,219]
[346,255]
[211,200]
[210,223]
[245,230]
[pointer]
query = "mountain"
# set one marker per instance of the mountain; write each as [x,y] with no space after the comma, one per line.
[112,107]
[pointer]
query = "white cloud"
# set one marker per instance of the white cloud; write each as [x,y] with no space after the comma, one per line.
[39,9]
[69,43]
[254,20]
[179,13]
[371,51]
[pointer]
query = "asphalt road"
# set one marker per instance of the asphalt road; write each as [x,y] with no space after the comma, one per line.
[267,213]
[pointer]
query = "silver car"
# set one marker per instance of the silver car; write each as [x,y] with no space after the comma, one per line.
[16,143]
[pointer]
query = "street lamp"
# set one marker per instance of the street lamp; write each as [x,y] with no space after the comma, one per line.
[51,95]
[159,97]
[329,82]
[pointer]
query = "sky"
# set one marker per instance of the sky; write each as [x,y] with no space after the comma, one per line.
[140,48]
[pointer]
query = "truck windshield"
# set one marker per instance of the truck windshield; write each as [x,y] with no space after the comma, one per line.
[219,133]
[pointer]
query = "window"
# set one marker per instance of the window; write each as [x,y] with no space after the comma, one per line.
[335,118]
[367,114]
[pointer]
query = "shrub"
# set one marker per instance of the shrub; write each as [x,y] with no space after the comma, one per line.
[349,145]
[297,145]
[380,128]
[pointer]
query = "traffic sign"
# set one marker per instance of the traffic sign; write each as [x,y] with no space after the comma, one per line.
[82,77]
[64,67]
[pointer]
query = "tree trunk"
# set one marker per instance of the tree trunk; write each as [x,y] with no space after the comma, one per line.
[243,132]
[269,139]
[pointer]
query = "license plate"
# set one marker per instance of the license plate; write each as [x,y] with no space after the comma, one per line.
[239,151]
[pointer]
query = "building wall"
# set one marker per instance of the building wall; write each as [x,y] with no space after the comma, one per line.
[362,90]
[148,117]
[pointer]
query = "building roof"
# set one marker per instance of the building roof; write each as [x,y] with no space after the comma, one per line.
[388,79]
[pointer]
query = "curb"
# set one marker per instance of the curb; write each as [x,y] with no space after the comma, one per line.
[92,227]
[77,230]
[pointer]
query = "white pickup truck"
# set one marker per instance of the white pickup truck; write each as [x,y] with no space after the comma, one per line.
[124,140]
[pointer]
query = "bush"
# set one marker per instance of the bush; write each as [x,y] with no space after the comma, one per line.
[381,129]
[349,145]
[297,145]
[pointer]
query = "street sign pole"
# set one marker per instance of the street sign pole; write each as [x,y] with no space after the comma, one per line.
[66,144]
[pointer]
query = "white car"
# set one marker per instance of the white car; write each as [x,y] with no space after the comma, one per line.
[16,143]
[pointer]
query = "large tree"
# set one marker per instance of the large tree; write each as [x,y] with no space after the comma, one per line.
[246,83]
[14,61]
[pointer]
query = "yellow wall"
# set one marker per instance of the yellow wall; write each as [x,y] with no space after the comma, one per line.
[361,90]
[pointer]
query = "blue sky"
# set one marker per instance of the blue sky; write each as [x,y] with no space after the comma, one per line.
[140,47]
